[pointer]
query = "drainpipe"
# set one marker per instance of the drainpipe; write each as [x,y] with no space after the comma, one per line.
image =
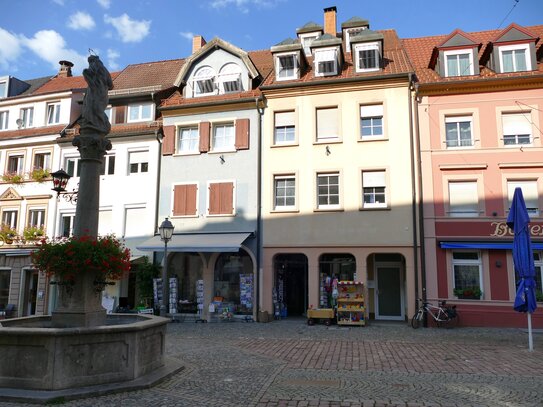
[422,236]
[159,167]
[260,111]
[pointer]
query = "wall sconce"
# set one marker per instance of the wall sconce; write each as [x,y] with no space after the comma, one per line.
[328,152]
[498,263]
[60,180]
[221,157]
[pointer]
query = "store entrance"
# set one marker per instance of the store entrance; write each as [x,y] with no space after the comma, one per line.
[290,289]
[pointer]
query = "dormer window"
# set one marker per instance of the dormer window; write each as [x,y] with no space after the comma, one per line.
[326,62]
[458,63]
[307,40]
[351,33]
[204,81]
[367,57]
[230,78]
[515,58]
[287,66]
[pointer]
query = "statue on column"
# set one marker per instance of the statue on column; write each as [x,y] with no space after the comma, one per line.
[93,117]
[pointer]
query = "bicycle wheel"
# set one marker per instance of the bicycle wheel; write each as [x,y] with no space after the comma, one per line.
[416,321]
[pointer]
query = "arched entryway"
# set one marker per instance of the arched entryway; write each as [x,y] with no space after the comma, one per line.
[188,268]
[233,283]
[340,266]
[386,277]
[290,288]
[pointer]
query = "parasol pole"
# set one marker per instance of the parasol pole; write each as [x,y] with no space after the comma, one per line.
[530,339]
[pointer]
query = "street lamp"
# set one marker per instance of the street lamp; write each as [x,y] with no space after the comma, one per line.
[166,232]
[60,180]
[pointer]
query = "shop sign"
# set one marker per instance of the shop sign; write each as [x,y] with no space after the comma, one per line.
[501,229]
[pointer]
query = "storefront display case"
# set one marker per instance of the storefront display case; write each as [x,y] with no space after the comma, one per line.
[351,309]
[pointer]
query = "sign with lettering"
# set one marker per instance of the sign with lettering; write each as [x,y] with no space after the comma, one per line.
[501,229]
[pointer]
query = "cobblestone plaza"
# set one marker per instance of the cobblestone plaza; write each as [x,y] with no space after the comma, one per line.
[287,363]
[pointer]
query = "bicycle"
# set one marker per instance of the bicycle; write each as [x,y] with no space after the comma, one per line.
[443,315]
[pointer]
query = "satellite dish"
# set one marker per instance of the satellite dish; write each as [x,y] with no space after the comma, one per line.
[19,123]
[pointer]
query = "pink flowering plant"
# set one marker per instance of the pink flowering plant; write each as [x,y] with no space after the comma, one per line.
[64,258]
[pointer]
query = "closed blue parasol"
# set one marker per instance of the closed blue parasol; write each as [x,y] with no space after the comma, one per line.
[523,259]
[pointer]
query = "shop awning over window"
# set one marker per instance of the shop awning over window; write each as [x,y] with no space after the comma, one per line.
[484,245]
[198,242]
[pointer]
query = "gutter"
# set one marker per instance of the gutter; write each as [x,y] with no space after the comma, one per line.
[159,135]
[210,103]
[259,249]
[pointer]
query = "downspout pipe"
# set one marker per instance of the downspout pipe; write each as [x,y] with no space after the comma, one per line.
[159,135]
[260,110]
[413,189]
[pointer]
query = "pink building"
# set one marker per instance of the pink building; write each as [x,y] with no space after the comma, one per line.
[480,118]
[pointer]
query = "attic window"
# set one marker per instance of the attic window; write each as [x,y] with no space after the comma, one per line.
[351,33]
[515,58]
[367,57]
[458,63]
[204,81]
[326,62]
[306,40]
[230,78]
[286,66]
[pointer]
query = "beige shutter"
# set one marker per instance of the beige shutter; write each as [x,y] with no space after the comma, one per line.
[463,199]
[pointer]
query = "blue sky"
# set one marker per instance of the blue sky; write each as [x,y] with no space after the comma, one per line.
[36,34]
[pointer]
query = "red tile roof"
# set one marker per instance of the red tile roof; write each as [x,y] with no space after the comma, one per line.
[31,132]
[420,52]
[65,83]
[148,74]
[119,129]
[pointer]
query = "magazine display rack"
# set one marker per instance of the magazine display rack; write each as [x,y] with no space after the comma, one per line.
[351,308]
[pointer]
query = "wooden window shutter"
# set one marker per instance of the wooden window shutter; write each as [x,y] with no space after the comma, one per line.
[242,134]
[120,114]
[205,128]
[184,200]
[221,198]
[168,143]
[214,199]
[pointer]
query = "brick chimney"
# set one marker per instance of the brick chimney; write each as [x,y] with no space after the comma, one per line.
[197,43]
[65,69]
[330,23]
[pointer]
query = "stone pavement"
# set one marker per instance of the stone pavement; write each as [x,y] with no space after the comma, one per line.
[287,363]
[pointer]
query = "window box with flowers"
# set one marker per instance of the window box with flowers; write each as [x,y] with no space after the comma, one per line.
[39,175]
[7,234]
[66,259]
[469,293]
[13,178]
[32,233]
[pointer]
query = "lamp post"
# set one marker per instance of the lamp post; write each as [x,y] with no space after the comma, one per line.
[166,232]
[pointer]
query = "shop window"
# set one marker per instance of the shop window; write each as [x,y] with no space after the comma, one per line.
[5,279]
[285,127]
[233,284]
[188,268]
[463,199]
[327,124]
[467,269]
[339,266]
[529,192]
[517,128]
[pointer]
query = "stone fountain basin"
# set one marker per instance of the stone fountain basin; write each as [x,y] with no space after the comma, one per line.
[33,355]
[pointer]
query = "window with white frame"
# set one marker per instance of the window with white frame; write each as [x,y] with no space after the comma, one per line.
[16,163]
[328,190]
[371,122]
[374,189]
[224,137]
[368,57]
[467,270]
[230,78]
[189,138]
[72,166]
[66,226]
[286,66]
[285,128]
[463,199]
[326,62]
[53,113]
[108,112]
[306,40]
[36,218]
[538,263]
[349,33]
[133,221]
[138,162]
[140,112]
[515,58]
[108,165]
[517,128]
[4,118]
[27,117]
[327,123]
[9,217]
[204,81]
[458,63]
[284,192]
[458,131]
[42,161]
[105,222]
[529,192]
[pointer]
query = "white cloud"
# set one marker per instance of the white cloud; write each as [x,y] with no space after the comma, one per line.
[112,56]
[104,3]
[50,46]
[81,21]
[243,5]
[128,29]
[10,48]
[187,34]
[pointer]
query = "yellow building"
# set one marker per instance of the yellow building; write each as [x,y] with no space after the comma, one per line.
[338,171]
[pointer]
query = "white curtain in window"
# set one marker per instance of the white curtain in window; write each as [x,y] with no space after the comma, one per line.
[373,179]
[516,123]
[327,123]
[507,58]
[463,198]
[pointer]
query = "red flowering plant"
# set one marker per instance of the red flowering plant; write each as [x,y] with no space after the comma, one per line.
[63,258]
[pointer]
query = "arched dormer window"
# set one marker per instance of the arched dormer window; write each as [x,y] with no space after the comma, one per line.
[230,78]
[204,81]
